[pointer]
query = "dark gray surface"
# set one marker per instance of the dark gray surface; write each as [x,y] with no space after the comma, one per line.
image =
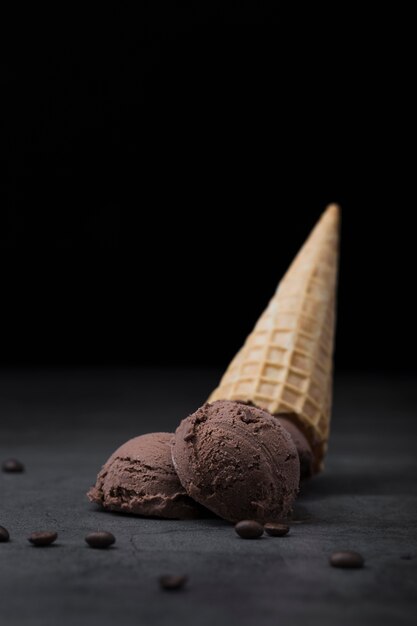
[64,425]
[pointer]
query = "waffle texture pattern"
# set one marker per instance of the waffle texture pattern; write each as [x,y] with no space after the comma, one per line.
[286,363]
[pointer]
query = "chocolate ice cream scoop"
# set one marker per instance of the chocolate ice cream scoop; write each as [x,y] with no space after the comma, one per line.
[305,453]
[237,461]
[140,478]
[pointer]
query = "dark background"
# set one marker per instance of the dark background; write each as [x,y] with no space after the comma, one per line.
[161,170]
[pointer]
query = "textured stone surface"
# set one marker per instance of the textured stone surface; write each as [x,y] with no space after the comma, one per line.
[64,425]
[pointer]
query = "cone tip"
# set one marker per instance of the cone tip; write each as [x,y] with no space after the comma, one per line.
[333,211]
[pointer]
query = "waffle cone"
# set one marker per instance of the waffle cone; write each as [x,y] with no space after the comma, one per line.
[286,363]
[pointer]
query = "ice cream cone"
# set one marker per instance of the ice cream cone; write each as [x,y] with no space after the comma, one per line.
[286,363]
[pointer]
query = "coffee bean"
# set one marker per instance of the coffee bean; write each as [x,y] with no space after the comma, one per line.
[277,530]
[4,534]
[100,539]
[172,582]
[12,465]
[43,538]
[348,560]
[249,529]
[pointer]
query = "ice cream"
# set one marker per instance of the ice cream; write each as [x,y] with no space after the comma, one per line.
[268,420]
[305,454]
[238,461]
[140,478]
